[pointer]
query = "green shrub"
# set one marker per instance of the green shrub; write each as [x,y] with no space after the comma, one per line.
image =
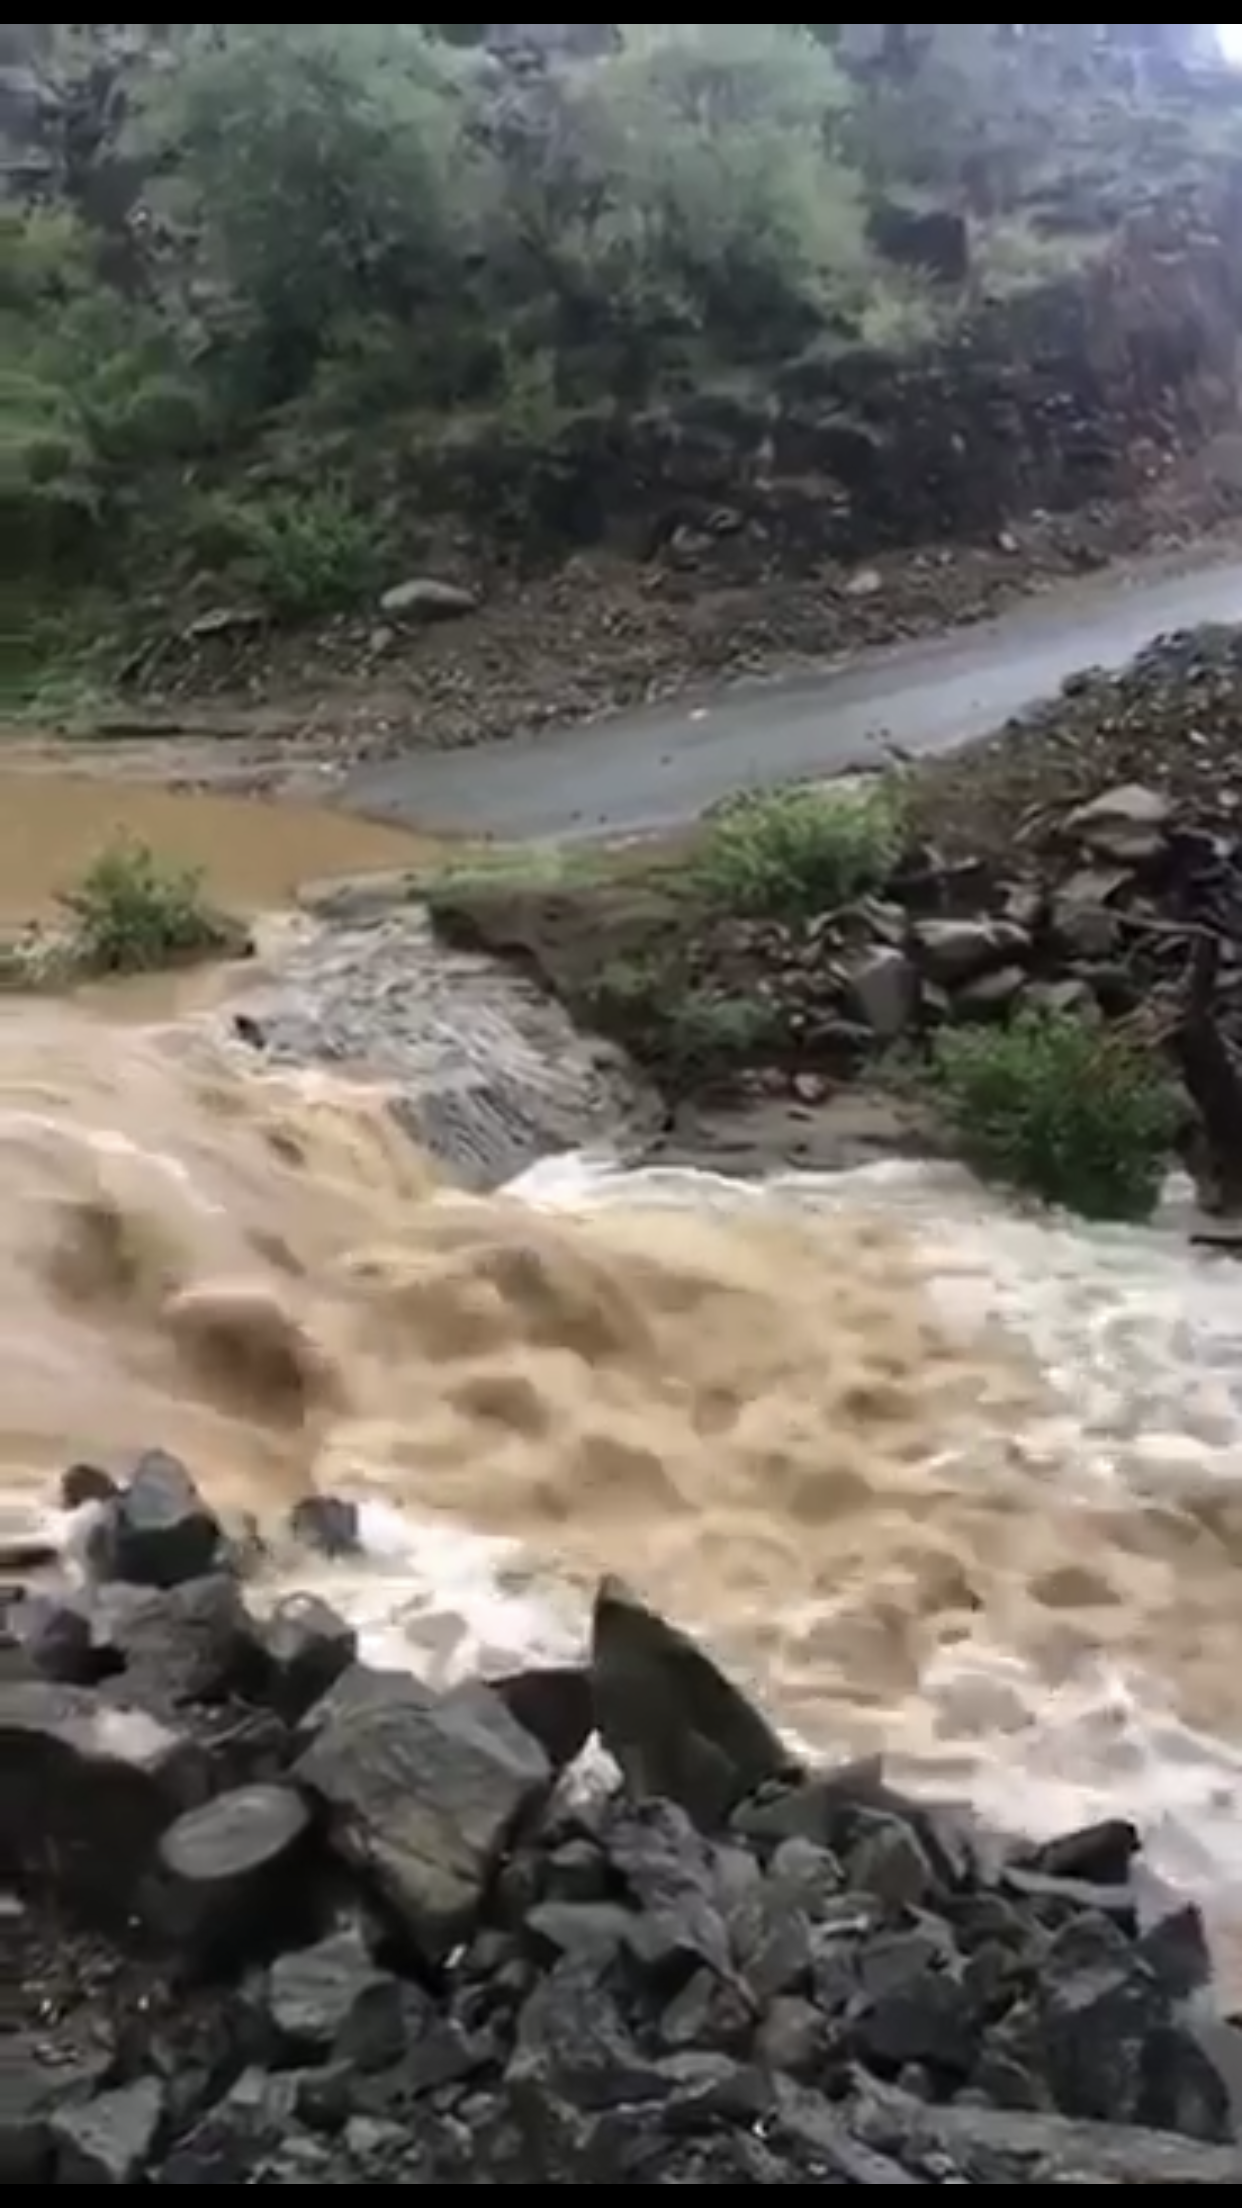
[328,167]
[721,173]
[304,556]
[694,1032]
[788,854]
[133,914]
[709,1034]
[1073,1113]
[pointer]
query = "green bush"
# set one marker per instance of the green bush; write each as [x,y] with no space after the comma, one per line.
[1076,1114]
[693,1032]
[92,392]
[713,1035]
[788,854]
[303,555]
[717,189]
[133,914]
[328,168]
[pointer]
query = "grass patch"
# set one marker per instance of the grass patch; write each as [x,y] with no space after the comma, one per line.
[302,555]
[1074,1114]
[793,853]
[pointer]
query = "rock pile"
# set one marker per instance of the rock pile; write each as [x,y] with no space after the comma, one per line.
[274,1917]
[1098,920]
[1171,718]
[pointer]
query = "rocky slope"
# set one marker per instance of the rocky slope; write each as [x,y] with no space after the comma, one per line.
[273,1917]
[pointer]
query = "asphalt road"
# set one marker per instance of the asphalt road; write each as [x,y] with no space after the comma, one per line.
[665,765]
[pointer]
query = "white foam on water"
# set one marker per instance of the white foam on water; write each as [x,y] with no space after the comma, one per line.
[1140,1340]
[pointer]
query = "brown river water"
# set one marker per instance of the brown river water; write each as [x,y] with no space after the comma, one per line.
[937,1474]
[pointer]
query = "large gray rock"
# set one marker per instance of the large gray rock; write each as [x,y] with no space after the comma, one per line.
[423,1793]
[990,2146]
[191,1643]
[306,1648]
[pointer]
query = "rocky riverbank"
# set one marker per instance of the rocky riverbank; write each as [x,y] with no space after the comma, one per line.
[1083,864]
[274,1917]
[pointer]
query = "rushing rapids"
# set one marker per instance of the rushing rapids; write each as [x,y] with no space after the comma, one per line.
[937,1474]
[933,1473]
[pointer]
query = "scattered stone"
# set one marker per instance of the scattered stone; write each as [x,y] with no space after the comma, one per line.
[987,2146]
[331,2003]
[1085,922]
[57,1636]
[953,952]
[1127,825]
[990,995]
[193,1642]
[423,598]
[867,583]
[157,1532]
[255,2119]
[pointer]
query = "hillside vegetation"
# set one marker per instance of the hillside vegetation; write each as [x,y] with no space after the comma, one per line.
[257,272]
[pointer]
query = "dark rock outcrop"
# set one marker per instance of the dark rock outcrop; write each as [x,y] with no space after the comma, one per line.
[407,1955]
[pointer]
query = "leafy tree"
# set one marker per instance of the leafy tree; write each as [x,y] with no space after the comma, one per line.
[328,169]
[688,177]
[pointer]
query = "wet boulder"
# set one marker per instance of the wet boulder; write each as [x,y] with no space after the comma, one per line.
[89,1785]
[56,1636]
[305,1648]
[156,1531]
[675,1725]
[327,1525]
[555,1705]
